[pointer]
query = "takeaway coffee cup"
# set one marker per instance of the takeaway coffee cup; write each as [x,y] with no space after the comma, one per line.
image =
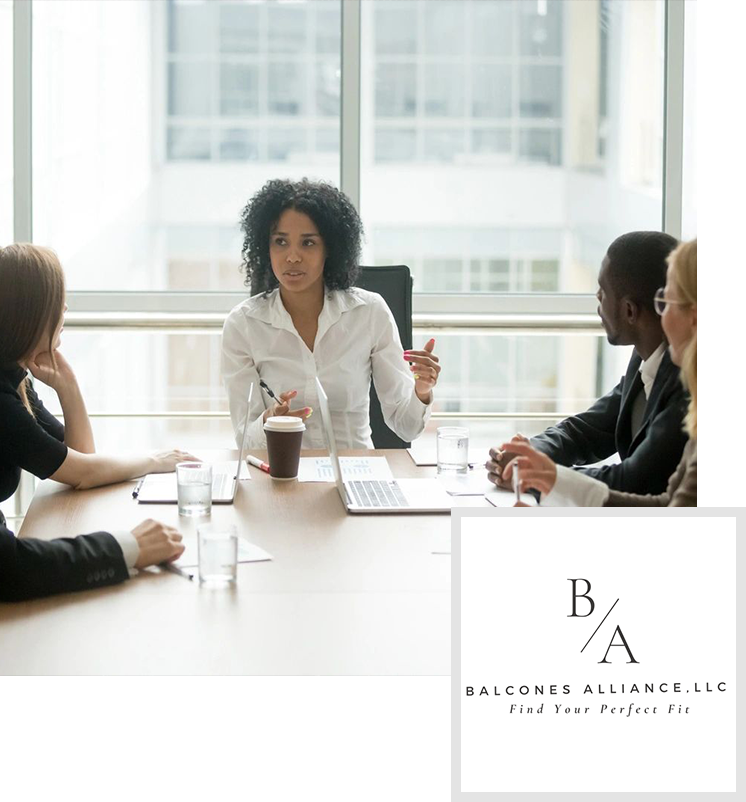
[284,436]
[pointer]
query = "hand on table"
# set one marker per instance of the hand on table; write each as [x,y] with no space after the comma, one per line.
[424,365]
[284,407]
[158,543]
[497,462]
[166,461]
[536,470]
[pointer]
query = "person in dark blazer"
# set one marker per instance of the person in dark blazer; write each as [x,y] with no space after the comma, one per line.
[559,486]
[641,418]
[32,568]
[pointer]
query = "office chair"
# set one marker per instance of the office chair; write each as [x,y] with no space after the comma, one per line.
[394,284]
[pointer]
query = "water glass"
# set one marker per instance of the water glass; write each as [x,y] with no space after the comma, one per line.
[453,450]
[218,554]
[194,488]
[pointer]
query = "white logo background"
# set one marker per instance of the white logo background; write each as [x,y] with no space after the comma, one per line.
[675,580]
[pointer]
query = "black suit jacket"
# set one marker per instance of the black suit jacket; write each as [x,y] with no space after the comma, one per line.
[31,568]
[650,457]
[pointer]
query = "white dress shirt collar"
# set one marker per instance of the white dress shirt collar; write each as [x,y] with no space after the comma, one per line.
[336,304]
[649,368]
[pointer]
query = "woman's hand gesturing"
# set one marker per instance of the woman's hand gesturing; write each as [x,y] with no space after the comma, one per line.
[283,408]
[424,365]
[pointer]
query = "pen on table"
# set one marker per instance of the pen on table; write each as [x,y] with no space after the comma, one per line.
[138,488]
[174,569]
[517,484]
[257,463]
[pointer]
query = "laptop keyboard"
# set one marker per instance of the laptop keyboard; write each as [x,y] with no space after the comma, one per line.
[375,493]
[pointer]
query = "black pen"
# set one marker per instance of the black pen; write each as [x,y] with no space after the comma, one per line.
[138,488]
[174,569]
[269,392]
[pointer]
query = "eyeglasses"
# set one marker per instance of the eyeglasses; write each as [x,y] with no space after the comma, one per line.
[661,302]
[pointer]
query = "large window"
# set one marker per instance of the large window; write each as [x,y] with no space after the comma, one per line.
[489,129]
[253,82]
[123,373]
[506,143]
[154,122]
[503,145]
[457,81]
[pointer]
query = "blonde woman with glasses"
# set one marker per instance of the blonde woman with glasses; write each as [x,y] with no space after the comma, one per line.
[676,303]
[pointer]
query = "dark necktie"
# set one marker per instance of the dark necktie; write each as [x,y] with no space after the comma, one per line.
[638,412]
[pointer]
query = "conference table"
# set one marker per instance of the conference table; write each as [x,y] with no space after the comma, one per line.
[343,594]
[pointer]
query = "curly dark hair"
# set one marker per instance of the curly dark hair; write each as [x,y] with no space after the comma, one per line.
[330,209]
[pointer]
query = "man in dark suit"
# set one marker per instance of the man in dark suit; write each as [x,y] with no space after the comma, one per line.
[31,568]
[641,419]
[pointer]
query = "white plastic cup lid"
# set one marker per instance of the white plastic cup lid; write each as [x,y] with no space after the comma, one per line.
[285,423]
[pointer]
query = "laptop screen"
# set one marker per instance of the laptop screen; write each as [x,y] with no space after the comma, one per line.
[243,439]
[326,419]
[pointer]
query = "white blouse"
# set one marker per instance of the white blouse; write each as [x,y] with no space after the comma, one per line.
[357,338]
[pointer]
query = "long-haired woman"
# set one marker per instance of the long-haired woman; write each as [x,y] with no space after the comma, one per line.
[32,307]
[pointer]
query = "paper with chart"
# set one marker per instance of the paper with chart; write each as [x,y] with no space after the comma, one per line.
[319,469]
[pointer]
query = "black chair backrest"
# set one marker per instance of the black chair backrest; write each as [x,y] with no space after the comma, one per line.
[394,284]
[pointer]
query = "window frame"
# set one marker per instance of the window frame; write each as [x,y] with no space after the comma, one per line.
[495,310]
[503,313]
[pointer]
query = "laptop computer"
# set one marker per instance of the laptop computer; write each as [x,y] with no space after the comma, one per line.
[381,496]
[160,488]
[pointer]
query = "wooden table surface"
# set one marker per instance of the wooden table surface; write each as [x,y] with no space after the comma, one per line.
[344,594]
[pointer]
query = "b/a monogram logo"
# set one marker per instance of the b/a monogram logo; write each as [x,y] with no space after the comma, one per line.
[591,607]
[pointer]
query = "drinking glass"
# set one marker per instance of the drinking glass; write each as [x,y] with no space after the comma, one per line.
[194,488]
[453,450]
[218,554]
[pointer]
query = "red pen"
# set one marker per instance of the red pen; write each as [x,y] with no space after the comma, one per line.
[257,463]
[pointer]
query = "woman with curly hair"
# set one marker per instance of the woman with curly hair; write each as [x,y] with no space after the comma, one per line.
[304,319]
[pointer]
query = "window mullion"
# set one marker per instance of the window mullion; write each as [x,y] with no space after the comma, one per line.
[22,152]
[673,118]
[349,151]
